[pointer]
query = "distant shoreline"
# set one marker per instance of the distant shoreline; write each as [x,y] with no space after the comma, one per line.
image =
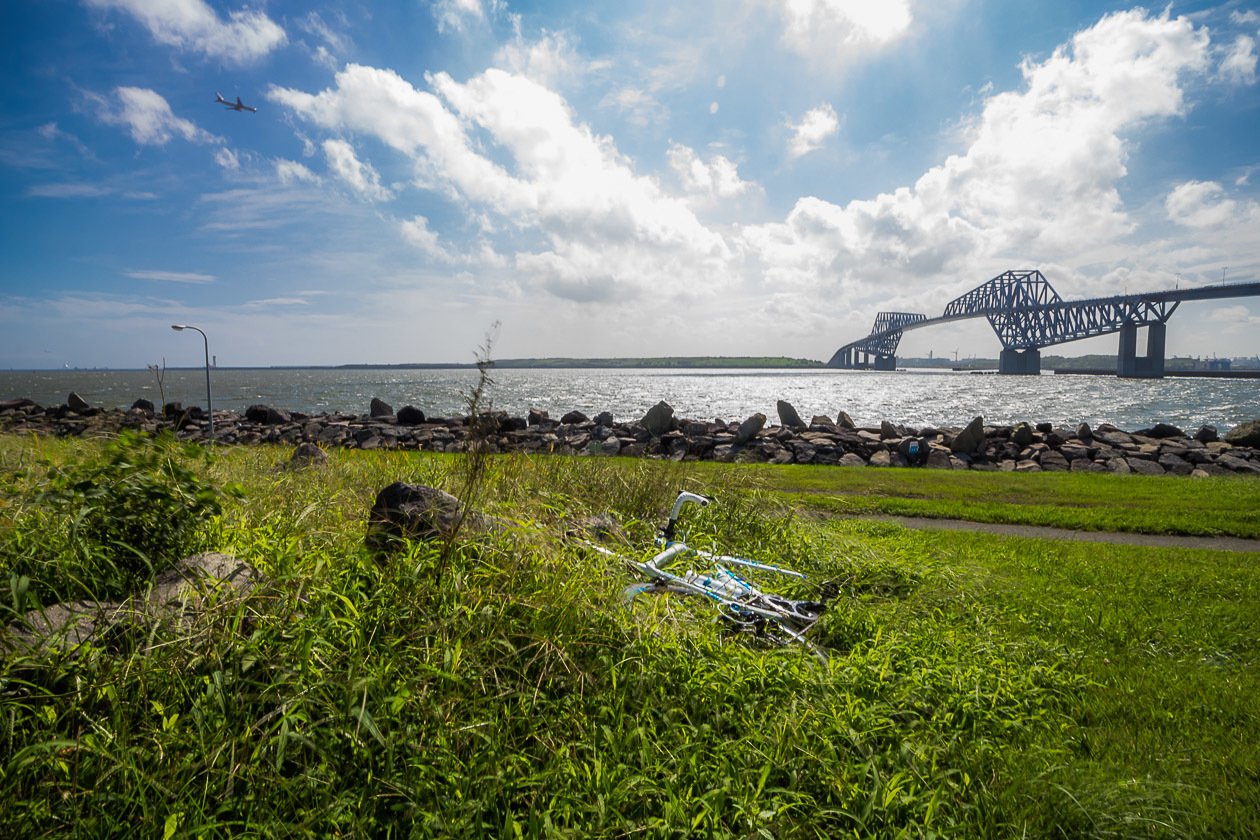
[558,363]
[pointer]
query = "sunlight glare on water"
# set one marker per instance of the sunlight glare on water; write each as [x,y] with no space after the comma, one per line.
[914,397]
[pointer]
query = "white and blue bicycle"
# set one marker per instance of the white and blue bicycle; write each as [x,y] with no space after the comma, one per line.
[742,606]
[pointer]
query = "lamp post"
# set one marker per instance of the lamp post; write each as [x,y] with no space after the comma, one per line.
[209,400]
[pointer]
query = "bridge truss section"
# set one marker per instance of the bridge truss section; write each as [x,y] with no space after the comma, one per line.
[1027,313]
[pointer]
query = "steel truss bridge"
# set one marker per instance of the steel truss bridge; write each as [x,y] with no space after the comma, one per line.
[1027,314]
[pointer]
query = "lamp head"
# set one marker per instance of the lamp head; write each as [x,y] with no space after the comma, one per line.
[178,327]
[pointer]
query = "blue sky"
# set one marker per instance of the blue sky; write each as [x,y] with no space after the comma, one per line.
[736,177]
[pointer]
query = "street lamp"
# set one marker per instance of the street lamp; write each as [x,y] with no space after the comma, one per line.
[209,400]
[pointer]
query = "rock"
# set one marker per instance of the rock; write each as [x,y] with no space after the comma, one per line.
[380,408]
[409,415]
[537,417]
[1052,461]
[178,593]
[1245,434]
[1143,467]
[821,420]
[1045,427]
[1175,465]
[598,526]
[1235,464]
[278,416]
[881,458]
[851,459]
[145,406]
[788,416]
[257,413]
[418,512]
[887,430]
[938,459]
[658,420]
[914,451]
[749,428]
[307,455]
[1164,430]
[604,418]
[575,417]
[971,438]
[14,404]
[76,403]
[1084,432]
[844,421]
[1022,434]
[1027,466]
[1206,434]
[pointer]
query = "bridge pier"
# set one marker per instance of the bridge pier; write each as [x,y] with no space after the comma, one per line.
[1130,365]
[1020,362]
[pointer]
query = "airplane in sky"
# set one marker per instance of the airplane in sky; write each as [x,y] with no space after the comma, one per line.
[238,106]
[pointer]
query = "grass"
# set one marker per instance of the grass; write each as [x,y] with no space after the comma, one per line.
[1216,506]
[978,686]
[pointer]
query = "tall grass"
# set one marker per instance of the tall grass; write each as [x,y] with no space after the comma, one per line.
[508,691]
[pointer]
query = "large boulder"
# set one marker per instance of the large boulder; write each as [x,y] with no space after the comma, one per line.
[788,416]
[380,408]
[178,598]
[76,403]
[749,428]
[659,419]
[1245,434]
[307,455]
[257,413]
[418,512]
[969,439]
[409,415]
[1022,434]
[144,405]
[844,421]
[574,417]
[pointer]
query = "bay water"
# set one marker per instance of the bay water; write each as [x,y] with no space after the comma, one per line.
[914,397]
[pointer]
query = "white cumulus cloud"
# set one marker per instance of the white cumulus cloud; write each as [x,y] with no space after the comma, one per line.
[831,30]
[147,116]
[814,128]
[356,174]
[192,24]
[1199,204]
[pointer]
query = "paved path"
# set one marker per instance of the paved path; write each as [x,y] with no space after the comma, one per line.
[1047,533]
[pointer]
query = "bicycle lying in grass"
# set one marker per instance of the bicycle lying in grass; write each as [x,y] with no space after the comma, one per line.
[742,606]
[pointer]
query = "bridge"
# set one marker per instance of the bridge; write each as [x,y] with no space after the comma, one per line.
[1027,314]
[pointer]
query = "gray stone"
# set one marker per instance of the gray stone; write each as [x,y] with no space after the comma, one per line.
[1245,434]
[1235,464]
[851,459]
[574,417]
[418,512]
[380,408]
[1144,467]
[76,403]
[844,421]
[180,594]
[1027,466]
[307,455]
[970,438]
[537,417]
[821,420]
[1119,466]
[887,430]
[938,459]
[881,458]
[1175,465]
[278,416]
[1084,432]
[659,419]
[604,418]
[409,415]
[1206,434]
[1052,461]
[788,416]
[1164,430]
[749,428]
[1022,434]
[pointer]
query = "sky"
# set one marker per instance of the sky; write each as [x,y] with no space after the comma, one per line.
[599,179]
